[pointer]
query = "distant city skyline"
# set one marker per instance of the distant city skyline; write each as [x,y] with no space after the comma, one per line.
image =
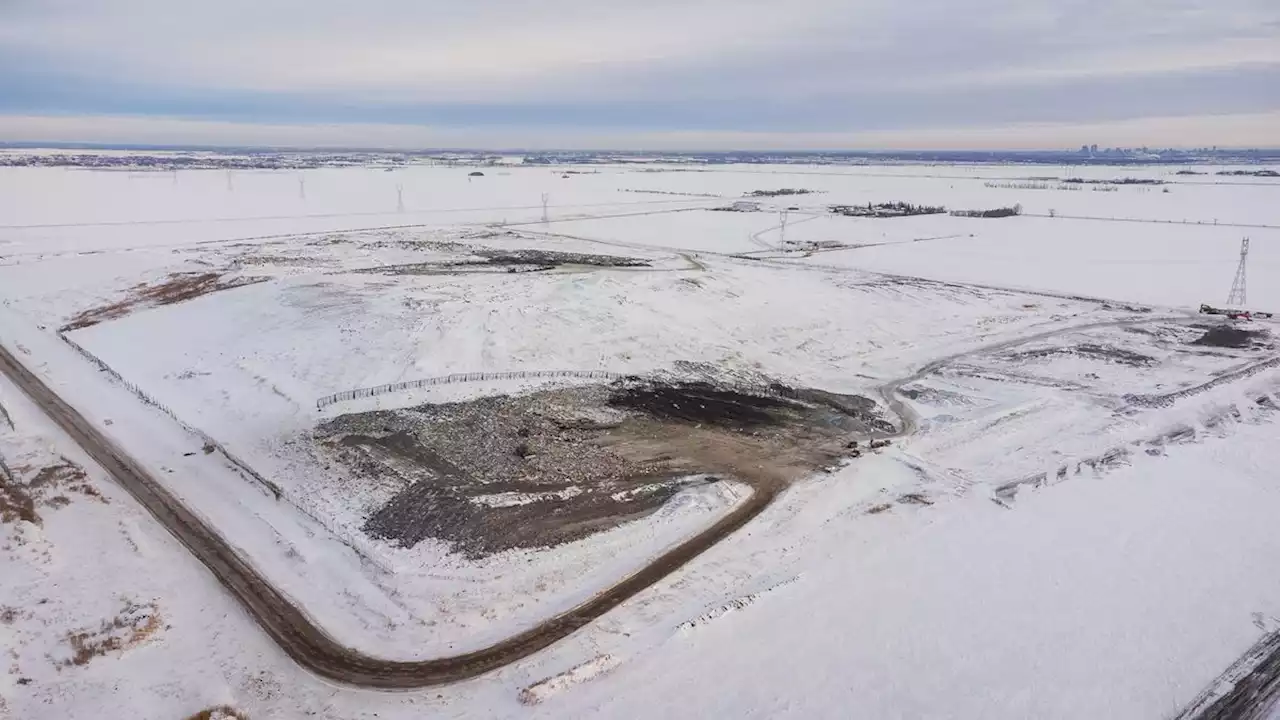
[695,74]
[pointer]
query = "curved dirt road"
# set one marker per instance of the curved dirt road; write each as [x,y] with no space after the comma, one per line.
[310,646]
[296,633]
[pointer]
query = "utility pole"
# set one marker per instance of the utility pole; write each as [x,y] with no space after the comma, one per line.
[782,228]
[1238,296]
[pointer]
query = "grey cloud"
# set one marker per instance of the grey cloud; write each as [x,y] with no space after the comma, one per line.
[821,65]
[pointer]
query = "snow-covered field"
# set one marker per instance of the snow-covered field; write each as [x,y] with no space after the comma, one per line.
[1080,525]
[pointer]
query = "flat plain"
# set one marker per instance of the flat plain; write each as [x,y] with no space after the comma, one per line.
[905,465]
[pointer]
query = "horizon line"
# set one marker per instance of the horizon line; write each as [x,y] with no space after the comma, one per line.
[73,145]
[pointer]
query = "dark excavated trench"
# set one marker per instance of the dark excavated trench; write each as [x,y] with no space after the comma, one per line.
[548,467]
[515,260]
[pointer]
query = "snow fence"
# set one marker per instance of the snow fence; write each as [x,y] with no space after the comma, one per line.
[369,392]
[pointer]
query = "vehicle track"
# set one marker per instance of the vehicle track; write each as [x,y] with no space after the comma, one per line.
[314,649]
[890,390]
[800,264]
[1248,690]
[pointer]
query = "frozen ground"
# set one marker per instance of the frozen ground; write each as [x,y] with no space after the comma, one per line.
[1080,525]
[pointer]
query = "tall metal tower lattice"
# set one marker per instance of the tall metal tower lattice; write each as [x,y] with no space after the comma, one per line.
[1239,288]
[545,198]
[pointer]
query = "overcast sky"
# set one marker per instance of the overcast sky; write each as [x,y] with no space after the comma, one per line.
[643,73]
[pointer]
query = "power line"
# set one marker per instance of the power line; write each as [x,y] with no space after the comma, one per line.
[1238,296]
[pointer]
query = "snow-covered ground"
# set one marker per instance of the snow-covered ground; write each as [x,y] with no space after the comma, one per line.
[915,583]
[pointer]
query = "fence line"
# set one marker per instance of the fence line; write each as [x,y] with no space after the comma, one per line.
[1213,223]
[368,392]
[300,502]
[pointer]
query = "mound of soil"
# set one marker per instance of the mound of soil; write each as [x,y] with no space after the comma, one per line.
[1227,336]
[548,467]
[518,260]
[553,258]
[702,402]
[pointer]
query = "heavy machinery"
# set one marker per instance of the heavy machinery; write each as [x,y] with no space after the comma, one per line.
[1238,294]
[1236,314]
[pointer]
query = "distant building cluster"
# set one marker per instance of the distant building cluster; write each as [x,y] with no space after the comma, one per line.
[1173,155]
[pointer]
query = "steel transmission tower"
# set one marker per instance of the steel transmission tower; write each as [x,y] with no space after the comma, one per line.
[1239,288]
[545,198]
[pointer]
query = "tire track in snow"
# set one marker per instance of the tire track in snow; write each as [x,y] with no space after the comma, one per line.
[1248,690]
[733,605]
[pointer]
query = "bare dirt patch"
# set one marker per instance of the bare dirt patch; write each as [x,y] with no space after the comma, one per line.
[511,261]
[178,287]
[555,258]
[1228,336]
[702,402]
[554,466]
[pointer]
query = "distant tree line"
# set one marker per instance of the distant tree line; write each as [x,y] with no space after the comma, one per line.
[887,210]
[1251,173]
[994,213]
[779,193]
[1021,185]
[1117,181]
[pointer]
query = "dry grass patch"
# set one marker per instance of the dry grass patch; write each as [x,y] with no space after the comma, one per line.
[63,476]
[16,503]
[47,488]
[133,625]
[179,287]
